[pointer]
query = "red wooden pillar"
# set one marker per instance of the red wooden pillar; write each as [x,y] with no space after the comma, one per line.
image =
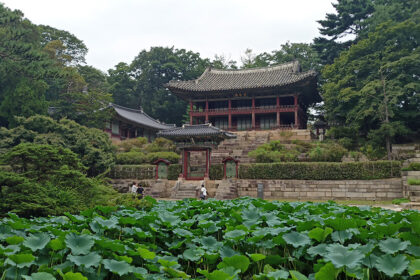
[278,111]
[296,112]
[229,114]
[206,175]
[253,113]
[207,111]
[191,111]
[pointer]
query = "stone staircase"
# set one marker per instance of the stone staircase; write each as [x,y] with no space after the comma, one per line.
[227,189]
[247,141]
[185,189]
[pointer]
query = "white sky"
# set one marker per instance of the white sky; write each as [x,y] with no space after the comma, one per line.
[117,30]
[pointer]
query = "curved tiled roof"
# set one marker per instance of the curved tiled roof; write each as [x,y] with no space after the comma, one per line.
[195,130]
[139,117]
[265,77]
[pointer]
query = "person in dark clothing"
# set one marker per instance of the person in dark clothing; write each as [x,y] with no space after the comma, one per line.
[140,191]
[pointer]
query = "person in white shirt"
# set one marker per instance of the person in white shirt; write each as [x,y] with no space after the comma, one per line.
[134,188]
[203,193]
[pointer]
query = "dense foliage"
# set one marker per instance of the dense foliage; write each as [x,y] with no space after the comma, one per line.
[321,170]
[276,151]
[47,180]
[92,146]
[239,239]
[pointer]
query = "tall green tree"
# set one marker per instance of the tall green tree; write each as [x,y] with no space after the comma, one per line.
[122,85]
[22,68]
[374,85]
[156,67]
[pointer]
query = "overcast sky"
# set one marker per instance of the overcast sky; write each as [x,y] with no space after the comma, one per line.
[117,30]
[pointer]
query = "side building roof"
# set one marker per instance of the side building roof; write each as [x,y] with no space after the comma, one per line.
[197,130]
[213,80]
[139,117]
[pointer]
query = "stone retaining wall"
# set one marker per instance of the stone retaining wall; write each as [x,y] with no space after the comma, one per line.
[385,189]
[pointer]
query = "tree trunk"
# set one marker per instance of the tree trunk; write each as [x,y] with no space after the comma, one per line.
[387,137]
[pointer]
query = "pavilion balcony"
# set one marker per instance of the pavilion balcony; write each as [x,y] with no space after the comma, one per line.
[242,110]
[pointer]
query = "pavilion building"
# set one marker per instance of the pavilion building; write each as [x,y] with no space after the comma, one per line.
[275,97]
[131,123]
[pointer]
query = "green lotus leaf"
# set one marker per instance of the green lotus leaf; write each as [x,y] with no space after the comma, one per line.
[175,273]
[256,257]
[320,234]
[126,259]
[209,243]
[57,244]
[107,224]
[327,272]
[211,258]
[296,275]
[391,265]
[238,261]
[193,254]
[414,250]
[341,236]
[79,244]
[74,276]
[341,256]
[393,245]
[296,239]
[91,259]
[139,270]
[320,249]
[36,241]
[39,276]
[215,275]
[14,240]
[235,234]
[226,251]
[182,232]
[21,260]
[278,274]
[414,268]
[113,245]
[146,254]
[169,219]
[117,267]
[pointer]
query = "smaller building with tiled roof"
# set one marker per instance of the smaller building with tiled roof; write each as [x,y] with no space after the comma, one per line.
[131,123]
[248,99]
[199,131]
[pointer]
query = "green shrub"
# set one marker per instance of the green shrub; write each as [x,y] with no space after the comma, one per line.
[321,170]
[173,171]
[400,200]
[412,181]
[131,157]
[161,145]
[131,201]
[330,152]
[169,156]
[414,166]
[132,144]
[216,172]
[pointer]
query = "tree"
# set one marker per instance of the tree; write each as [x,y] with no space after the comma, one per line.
[373,86]
[22,68]
[223,62]
[122,85]
[64,46]
[156,67]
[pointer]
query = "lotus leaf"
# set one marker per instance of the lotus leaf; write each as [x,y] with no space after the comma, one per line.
[91,259]
[296,239]
[117,267]
[393,245]
[392,265]
[79,244]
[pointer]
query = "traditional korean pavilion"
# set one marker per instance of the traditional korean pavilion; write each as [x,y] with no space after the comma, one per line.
[196,143]
[275,97]
[131,123]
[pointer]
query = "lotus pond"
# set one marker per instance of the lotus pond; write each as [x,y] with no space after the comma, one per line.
[239,239]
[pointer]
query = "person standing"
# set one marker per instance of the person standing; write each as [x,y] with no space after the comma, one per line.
[203,193]
[134,188]
[140,191]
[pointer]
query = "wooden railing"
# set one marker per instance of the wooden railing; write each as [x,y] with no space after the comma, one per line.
[233,109]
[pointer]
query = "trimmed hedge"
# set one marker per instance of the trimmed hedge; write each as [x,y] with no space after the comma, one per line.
[414,166]
[321,170]
[216,172]
[140,172]
[173,171]
[136,157]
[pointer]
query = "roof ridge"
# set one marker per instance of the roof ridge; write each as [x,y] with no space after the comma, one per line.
[291,64]
[126,108]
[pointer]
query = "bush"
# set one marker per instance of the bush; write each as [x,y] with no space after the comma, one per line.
[131,157]
[48,180]
[161,145]
[412,181]
[131,201]
[92,146]
[414,166]
[173,171]
[216,172]
[321,170]
[130,144]
[331,152]
[169,156]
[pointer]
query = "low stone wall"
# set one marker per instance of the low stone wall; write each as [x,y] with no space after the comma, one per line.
[385,189]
